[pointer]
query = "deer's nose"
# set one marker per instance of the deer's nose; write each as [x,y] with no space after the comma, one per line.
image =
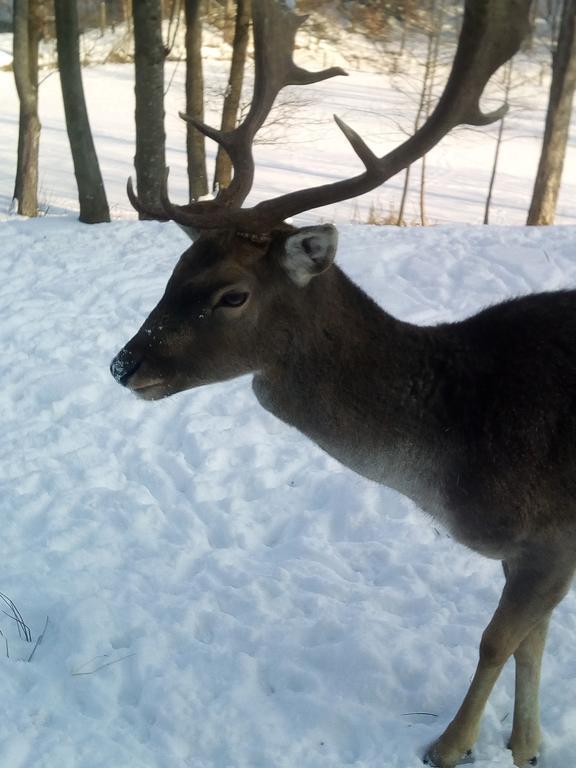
[124,365]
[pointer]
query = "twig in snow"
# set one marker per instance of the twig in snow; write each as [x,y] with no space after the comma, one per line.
[6,641]
[428,714]
[90,661]
[102,666]
[39,639]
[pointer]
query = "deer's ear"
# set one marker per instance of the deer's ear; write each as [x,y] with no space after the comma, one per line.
[309,252]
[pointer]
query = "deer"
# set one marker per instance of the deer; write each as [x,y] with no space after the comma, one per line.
[475,420]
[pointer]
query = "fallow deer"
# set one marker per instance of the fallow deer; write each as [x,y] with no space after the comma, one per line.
[475,421]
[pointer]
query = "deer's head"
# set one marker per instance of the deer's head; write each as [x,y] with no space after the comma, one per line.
[247,281]
[229,307]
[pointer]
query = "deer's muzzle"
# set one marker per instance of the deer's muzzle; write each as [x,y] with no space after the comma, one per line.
[124,366]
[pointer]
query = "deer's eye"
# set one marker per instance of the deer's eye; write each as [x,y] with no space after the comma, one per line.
[233,299]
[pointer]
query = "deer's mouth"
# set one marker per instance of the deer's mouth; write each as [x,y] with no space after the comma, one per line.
[154,390]
[133,372]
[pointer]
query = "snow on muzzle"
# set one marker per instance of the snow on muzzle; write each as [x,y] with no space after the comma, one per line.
[124,366]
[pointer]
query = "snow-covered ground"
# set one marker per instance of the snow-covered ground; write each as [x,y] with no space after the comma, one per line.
[220,593]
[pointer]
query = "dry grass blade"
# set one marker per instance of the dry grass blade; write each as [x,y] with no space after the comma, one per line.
[39,639]
[102,666]
[6,641]
[23,628]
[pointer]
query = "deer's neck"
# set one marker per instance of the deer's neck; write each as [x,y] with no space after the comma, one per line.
[359,383]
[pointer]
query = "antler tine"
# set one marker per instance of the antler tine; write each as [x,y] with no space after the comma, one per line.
[208,214]
[491,34]
[151,212]
[357,143]
[171,211]
[211,133]
[274,30]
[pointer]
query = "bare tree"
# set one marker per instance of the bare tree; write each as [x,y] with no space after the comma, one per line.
[421,113]
[507,86]
[28,22]
[127,13]
[149,55]
[549,174]
[434,33]
[91,194]
[195,143]
[223,169]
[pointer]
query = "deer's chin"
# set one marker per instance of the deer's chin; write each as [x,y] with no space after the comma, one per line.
[155,391]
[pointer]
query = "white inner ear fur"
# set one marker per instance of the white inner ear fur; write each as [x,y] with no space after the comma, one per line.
[309,252]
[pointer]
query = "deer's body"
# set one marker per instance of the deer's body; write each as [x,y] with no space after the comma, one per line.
[475,421]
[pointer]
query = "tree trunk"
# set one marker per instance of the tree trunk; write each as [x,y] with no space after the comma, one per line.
[436,22]
[26,37]
[223,169]
[494,171]
[91,194]
[127,12]
[195,144]
[507,86]
[549,174]
[149,54]
[173,26]
[420,113]
[405,187]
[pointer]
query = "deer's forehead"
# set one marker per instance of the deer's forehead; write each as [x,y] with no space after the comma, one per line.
[223,256]
[206,254]
[208,266]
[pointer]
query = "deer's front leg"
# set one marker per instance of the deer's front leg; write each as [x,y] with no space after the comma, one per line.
[518,626]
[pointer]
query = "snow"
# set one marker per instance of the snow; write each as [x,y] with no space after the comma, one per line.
[220,593]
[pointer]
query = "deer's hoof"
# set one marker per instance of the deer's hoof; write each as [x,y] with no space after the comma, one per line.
[523,763]
[439,758]
[523,757]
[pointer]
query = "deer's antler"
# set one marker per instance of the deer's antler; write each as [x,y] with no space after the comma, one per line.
[274,29]
[492,32]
